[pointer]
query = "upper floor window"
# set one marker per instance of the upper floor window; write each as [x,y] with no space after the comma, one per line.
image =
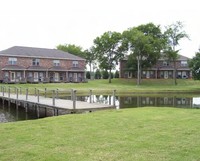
[165,63]
[36,62]
[75,63]
[12,61]
[56,62]
[184,63]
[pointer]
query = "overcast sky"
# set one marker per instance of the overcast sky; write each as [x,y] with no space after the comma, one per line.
[48,23]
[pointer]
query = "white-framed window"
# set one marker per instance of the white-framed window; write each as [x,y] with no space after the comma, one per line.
[165,63]
[36,62]
[56,62]
[6,74]
[30,74]
[75,63]
[12,61]
[184,63]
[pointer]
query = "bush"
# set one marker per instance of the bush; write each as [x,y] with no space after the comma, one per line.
[97,74]
[88,75]
[116,74]
[105,74]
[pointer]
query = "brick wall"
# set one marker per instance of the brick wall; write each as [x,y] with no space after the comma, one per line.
[47,63]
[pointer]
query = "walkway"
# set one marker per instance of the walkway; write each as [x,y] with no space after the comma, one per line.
[51,102]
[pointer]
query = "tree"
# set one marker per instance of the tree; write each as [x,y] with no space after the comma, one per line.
[116,74]
[72,49]
[88,76]
[194,64]
[144,43]
[90,58]
[107,49]
[173,34]
[97,74]
[105,74]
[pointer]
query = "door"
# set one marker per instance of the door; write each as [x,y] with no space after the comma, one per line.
[75,77]
[12,77]
[148,74]
[184,74]
[166,74]
[41,76]
[35,76]
[56,77]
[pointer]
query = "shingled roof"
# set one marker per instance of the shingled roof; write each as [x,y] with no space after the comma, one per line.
[20,51]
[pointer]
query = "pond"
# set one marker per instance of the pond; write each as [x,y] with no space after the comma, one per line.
[11,113]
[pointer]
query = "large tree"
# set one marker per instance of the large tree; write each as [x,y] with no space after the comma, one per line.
[194,64]
[144,43]
[72,49]
[90,59]
[107,48]
[173,34]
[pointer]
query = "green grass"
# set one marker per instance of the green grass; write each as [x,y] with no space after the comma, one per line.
[144,134]
[122,86]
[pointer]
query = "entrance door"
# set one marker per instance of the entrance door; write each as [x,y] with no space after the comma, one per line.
[35,76]
[148,74]
[56,79]
[166,74]
[41,76]
[12,77]
[75,77]
[184,74]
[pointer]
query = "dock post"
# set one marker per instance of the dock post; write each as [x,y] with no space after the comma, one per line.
[72,91]
[9,92]
[3,91]
[35,92]
[9,103]
[45,92]
[74,99]
[90,96]
[26,93]
[26,107]
[38,95]
[53,97]
[114,95]
[17,93]
[38,111]
[20,90]
[109,98]
[57,93]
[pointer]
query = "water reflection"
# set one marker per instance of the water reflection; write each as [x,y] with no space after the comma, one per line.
[142,101]
[10,112]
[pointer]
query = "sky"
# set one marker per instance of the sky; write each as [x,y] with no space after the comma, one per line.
[48,23]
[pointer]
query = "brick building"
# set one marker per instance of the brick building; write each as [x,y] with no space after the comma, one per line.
[162,70]
[27,64]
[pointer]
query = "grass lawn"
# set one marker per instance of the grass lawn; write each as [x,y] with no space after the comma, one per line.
[144,134]
[121,85]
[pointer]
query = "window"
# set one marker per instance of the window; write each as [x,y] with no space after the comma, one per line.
[165,63]
[56,62]
[30,74]
[184,63]
[6,74]
[36,62]
[12,61]
[75,63]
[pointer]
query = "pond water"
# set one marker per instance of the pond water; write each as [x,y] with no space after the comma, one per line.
[11,113]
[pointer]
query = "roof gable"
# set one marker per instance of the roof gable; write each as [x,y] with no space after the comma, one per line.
[20,51]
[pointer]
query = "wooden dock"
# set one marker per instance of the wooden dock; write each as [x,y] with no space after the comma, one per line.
[40,101]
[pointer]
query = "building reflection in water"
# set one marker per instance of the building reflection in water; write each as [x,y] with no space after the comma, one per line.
[142,101]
